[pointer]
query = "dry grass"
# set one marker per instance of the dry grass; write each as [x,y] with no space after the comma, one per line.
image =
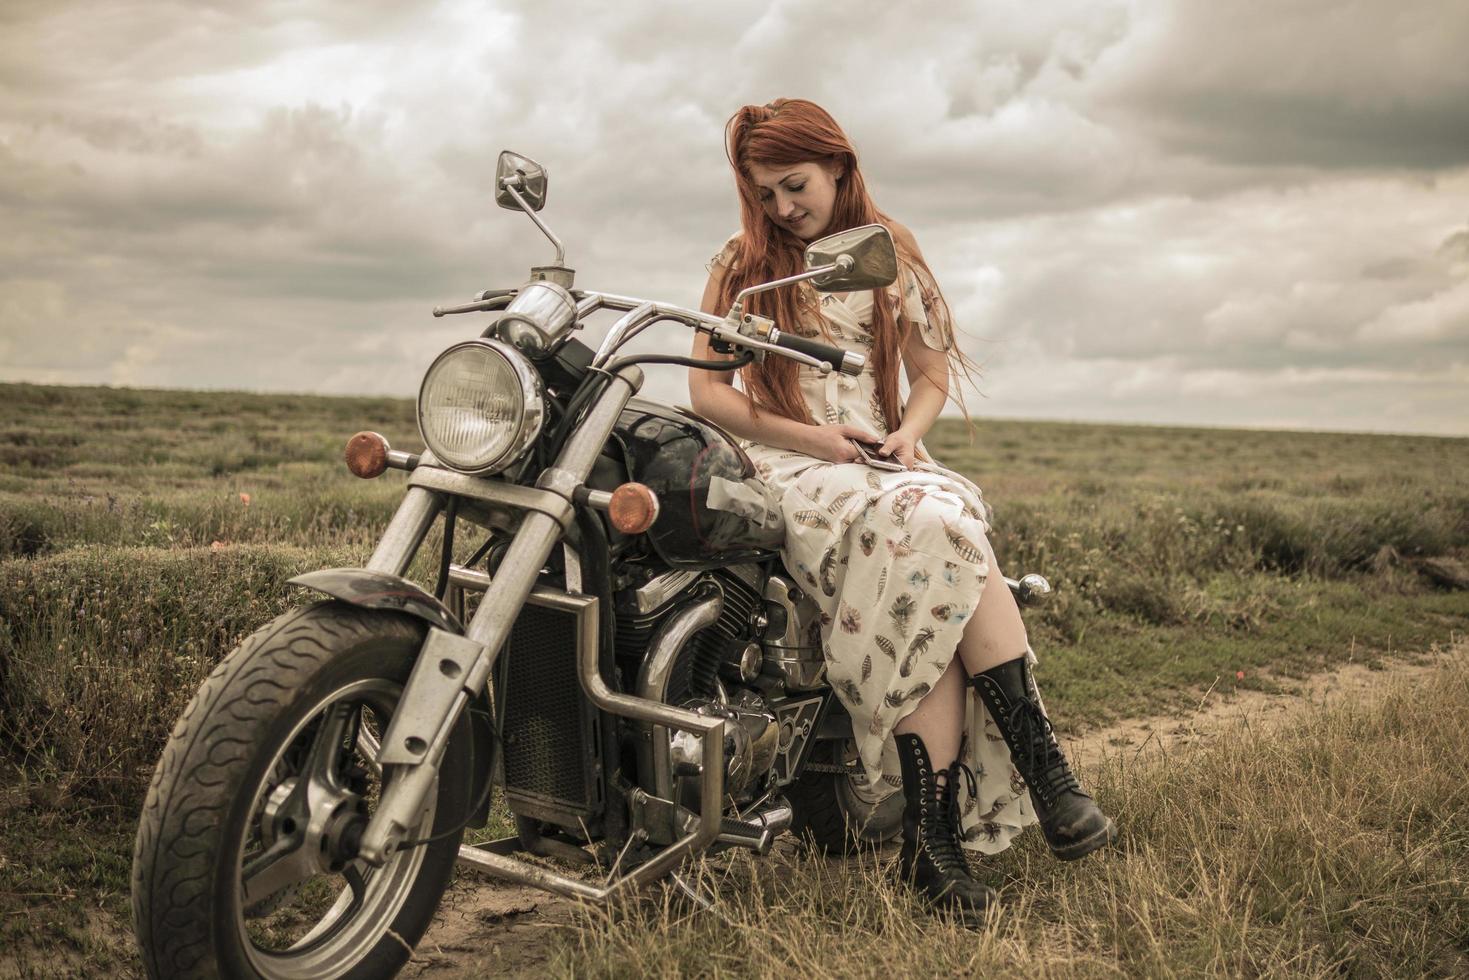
[1337,847]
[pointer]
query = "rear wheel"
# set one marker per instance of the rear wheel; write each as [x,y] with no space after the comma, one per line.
[244,864]
[836,809]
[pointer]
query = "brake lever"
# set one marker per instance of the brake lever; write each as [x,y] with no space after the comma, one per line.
[490,299]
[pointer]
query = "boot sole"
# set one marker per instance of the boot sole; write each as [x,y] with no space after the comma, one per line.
[1081,848]
[971,918]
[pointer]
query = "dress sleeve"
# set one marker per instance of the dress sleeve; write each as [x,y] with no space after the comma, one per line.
[725,257]
[922,307]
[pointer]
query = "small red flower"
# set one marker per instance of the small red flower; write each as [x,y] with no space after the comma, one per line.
[245,499]
[1239,675]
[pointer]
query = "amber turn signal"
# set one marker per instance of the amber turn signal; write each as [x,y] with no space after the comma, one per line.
[367,455]
[634,508]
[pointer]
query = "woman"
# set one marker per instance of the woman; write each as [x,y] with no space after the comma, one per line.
[916,645]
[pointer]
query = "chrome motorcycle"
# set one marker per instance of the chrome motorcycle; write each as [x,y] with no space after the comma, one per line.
[623,663]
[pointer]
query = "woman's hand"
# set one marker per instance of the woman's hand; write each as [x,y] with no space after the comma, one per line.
[900,446]
[834,442]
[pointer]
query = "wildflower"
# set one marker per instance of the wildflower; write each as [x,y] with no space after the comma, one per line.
[245,499]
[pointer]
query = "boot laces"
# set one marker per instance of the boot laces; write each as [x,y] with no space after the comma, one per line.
[1037,752]
[942,829]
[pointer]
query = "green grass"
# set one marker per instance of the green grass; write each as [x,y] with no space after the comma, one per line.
[144,533]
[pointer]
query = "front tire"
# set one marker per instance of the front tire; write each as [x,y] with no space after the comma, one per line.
[297,706]
[837,812]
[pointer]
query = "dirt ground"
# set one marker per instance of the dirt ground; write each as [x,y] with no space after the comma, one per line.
[488,929]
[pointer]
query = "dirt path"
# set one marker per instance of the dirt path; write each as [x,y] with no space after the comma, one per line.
[485,929]
[1224,708]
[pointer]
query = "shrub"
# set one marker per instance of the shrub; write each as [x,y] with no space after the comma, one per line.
[101,648]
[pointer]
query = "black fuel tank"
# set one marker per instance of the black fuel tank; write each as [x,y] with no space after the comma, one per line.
[714,510]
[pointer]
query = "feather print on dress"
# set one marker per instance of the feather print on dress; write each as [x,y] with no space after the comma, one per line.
[886,646]
[805,573]
[828,571]
[962,546]
[812,518]
[921,640]
[901,613]
[904,503]
[839,500]
[900,549]
[867,541]
[951,573]
[866,668]
[919,579]
[909,659]
[849,688]
[882,583]
[895,699]
[947,612]
[873,480]
[849,619]
[874,405]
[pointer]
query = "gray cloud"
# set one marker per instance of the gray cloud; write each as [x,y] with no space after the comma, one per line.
[1139,210]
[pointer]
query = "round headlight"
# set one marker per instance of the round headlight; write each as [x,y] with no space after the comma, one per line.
[480,407]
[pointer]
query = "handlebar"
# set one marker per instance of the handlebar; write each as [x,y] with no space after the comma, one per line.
[641,313]
[844,361]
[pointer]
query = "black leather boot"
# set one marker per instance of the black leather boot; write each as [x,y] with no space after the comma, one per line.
[1073,824]
[932,860]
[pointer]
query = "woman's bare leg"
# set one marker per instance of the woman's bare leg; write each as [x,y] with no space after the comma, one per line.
[995,633]
[939,717]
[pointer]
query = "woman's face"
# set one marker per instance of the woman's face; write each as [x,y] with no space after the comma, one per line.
[799,197]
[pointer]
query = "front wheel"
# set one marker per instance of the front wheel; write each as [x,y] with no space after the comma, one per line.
[836,810]
[244,864]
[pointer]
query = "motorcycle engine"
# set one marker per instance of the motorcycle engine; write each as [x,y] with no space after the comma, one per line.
[710,671]
[751,738]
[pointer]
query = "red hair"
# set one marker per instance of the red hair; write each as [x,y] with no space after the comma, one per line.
[785,133]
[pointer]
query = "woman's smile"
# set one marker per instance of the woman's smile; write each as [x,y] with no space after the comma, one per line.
[800,197]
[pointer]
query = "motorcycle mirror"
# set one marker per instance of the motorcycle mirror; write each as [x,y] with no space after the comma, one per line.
[864,258]
[520,183]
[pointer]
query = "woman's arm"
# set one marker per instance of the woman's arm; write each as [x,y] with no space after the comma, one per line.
[713,395]
[928,382]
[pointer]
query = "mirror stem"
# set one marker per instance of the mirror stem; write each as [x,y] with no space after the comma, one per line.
[560,249]
[816,273]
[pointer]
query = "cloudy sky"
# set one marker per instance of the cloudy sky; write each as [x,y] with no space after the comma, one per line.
[1220,212]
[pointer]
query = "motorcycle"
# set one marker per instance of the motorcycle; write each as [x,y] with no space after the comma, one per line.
[623,662]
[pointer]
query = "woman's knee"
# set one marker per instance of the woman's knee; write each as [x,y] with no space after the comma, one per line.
[938,528]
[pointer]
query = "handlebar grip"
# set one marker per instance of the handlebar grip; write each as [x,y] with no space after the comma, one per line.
[844,361]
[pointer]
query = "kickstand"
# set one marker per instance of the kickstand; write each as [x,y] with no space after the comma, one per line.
[699,896]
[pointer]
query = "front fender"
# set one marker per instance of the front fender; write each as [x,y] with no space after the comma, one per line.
[379,590]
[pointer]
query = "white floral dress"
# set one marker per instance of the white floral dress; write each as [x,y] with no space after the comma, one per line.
[893,561]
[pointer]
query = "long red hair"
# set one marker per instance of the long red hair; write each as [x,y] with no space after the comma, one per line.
[784,133]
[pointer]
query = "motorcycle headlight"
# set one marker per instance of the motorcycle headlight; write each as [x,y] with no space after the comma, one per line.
[480,407]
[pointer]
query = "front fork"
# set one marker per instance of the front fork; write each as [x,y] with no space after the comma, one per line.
[451,670]
[473,656]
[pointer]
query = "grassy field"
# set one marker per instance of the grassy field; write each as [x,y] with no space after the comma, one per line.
[1336,848]
[143,533]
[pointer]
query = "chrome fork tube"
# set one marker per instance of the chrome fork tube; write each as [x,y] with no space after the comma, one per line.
[406,531]
[540,532]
